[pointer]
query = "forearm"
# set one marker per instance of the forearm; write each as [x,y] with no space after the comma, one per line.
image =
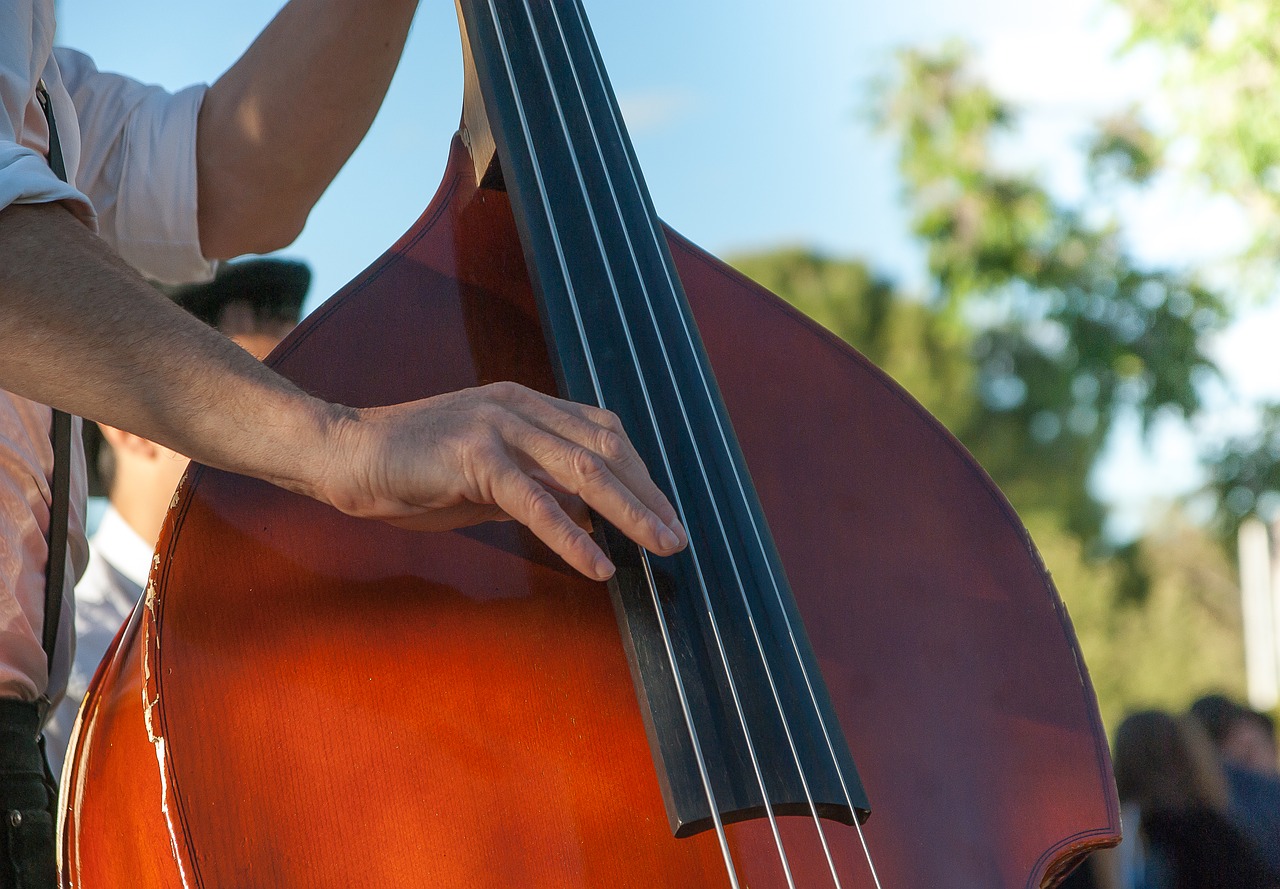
[83,332]
[276,128]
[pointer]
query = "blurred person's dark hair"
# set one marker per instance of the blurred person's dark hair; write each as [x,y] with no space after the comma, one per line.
[1217,713]
[1267,721]
[273,288]
[1243,736]
[1166,763]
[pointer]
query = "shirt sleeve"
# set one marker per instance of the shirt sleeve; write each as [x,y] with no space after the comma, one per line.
[138,167]
[25,177]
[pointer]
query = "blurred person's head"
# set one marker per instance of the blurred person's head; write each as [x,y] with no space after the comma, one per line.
[1251,743]
[1216,712]
[1243,736]
[255,303]
[1166,763]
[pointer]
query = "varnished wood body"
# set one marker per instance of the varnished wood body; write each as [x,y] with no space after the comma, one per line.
[317,701]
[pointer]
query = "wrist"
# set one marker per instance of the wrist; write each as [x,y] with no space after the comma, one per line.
[316,452]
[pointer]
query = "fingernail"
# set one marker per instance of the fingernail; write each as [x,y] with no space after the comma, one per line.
[678,529]
[667,538]
[603,568]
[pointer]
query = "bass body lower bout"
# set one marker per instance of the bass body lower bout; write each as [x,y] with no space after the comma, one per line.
[307,700]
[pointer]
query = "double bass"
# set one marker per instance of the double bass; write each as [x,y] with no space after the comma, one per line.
[858,674]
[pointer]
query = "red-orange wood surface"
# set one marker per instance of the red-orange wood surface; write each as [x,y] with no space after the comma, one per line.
[317,701]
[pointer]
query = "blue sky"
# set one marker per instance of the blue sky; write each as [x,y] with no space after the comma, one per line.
[745,124]
[749,117]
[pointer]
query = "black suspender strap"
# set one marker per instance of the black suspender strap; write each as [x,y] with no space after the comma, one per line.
[55,577]
[55,144]
[60,435]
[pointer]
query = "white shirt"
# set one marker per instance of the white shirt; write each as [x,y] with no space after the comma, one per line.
[129,150]
[119,562]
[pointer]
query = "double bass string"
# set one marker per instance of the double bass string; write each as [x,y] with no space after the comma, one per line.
[693,442]
[706,596]
[713,807]
[666,636]
[613,286]
[594,51]
[684,413]
[688,425]
[670,372]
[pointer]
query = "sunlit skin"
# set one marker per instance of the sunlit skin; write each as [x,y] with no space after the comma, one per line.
[145,474]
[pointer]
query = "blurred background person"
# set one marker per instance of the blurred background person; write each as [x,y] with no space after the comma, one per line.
[1174,794]
[1246,744]
[255,303]
[1245,738]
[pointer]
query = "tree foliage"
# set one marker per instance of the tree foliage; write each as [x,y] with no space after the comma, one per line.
[1038,334]
[1070,333]
[1180,640]
[1223,69]
[1223,76]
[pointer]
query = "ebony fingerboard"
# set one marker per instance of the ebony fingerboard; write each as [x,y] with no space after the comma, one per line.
[731,695]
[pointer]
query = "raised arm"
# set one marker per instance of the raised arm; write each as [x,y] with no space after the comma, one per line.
[277,126]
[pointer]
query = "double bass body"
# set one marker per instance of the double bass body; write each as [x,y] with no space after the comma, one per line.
[305,699]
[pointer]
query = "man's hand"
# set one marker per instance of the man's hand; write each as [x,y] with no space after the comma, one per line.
[501,452]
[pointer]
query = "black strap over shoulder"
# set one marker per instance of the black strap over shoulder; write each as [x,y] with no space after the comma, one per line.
[56,161]
[60,435]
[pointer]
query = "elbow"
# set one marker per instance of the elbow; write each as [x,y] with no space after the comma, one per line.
[252,227]
[250,197]
[275,234]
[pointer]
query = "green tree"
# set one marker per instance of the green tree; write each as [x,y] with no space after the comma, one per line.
[1070,334]
[1174,639]
[1181,639]
[1038,333]
[1223,69]
[1222,79]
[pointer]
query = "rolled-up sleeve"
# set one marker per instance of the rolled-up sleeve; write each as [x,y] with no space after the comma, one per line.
[25,177]
[138,167]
